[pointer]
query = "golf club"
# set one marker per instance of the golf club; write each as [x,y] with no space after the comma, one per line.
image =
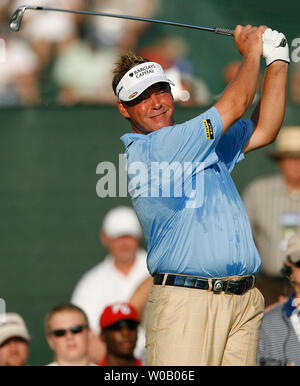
[17,17]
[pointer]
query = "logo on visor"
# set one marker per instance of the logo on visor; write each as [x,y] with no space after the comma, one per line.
[131,74]
[133,95]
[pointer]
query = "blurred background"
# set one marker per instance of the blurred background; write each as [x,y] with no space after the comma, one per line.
[58,122]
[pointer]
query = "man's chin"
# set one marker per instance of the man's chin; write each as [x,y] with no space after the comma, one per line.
[154,124]
[126,258]
[15,362]
[159,125]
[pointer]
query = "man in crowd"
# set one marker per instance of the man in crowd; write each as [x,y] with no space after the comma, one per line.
[119,323]
[14,340]
[203,308]
[279,342]
[273,207]
[67,332]
[116,277]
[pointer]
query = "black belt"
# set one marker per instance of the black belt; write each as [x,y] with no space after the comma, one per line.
[237,287]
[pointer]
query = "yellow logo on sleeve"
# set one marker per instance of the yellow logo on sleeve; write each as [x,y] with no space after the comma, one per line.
[208,129]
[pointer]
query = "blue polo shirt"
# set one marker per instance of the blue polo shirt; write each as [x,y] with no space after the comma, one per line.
[192,215]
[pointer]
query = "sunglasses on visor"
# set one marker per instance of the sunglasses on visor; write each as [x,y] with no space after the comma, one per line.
[62,332]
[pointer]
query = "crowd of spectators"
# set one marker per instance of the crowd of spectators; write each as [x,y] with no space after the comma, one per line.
[68,58]
[67,332]
[74,52]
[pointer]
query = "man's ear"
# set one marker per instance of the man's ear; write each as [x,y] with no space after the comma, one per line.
[102,337]
[50,341]
[104,238]
[122,109]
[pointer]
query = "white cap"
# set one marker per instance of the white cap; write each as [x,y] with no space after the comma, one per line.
[13,325]
[121,221]
[138,79]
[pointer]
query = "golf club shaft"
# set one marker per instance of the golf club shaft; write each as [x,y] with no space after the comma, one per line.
[221,31]
[16,20]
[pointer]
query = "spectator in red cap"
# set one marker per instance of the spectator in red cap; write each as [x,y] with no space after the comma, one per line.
[118,324]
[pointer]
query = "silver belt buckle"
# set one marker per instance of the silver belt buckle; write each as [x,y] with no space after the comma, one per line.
[218,286]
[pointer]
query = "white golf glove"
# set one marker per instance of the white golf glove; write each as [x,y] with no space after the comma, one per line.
[272,50]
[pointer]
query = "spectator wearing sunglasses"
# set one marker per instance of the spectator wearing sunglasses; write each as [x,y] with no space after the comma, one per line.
[119,323]
[67,332]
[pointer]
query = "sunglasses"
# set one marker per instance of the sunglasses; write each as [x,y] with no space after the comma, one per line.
[130,324]
[62,332]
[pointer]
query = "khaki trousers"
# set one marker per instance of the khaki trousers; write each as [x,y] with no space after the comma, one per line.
[194,327]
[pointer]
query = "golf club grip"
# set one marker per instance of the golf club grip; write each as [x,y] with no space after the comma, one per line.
[230,32]
[224,31]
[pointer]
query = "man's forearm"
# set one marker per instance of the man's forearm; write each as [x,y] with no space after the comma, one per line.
[239,94]
[244,85]
[269,113]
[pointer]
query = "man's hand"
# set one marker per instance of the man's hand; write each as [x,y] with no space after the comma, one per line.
[248,39]
[272,50]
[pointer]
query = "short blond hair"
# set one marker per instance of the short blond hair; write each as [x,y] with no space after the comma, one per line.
[124,64]
[62,308]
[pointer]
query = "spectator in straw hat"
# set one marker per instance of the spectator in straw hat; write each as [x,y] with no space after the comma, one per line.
[280,333]
[14,340]
[273,206]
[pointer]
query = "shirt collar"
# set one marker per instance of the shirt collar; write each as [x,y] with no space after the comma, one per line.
[288,306]
[128,138]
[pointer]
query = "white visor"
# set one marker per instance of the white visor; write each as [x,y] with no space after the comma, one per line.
[138,79]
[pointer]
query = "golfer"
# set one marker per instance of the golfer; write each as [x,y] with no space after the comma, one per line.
[203,308]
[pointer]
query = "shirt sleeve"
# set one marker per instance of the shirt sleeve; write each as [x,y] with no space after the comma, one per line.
[191,141]
[269,347]
[230,146]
